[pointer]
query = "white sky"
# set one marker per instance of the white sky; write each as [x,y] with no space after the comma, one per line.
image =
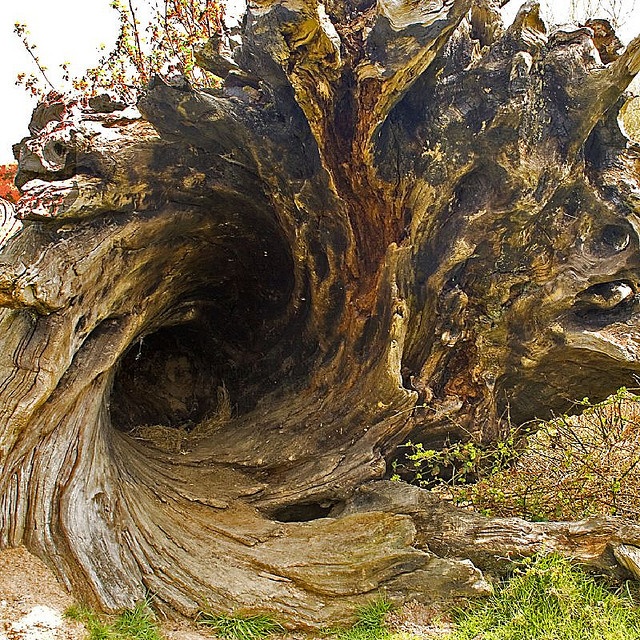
[73,30]
[63,30]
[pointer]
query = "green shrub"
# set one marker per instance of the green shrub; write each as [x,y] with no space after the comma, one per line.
[573,466]
[567,468]
[549,599]
[456,464]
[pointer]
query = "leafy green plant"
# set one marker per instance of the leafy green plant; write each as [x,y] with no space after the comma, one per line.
[455,464]
[370,622]
[549,598]
[138,623]
[239,627]
[567,468]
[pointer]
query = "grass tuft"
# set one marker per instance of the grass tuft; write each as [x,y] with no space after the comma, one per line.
[138,623]
[370,622]
[549,598]
[133,624]
[372,615]
[240,627]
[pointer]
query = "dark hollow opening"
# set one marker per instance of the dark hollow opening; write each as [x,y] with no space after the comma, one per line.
[219,333]
[304,512]
[607,302]
[168,378]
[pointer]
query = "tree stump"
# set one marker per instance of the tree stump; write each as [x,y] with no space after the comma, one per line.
[227,307]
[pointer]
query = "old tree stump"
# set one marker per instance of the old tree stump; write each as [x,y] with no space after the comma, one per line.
[225,310]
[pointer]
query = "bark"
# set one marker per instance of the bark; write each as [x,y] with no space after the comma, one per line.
[227,307]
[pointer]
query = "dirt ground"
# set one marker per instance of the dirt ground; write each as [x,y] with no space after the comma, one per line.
[32,603]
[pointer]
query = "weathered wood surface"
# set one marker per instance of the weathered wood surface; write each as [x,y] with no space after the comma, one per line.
[227,307]
[9,224]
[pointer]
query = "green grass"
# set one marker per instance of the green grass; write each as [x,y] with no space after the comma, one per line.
[550,599]
[370,622]
[133,624]
[547,598]
[240,627]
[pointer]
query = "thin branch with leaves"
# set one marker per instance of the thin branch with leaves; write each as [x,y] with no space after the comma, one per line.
[166,46]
